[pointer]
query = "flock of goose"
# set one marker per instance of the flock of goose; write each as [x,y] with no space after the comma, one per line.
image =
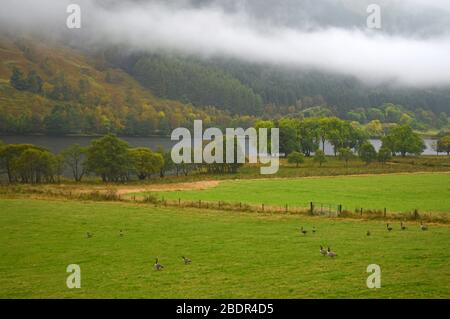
[332,254]
[324,252]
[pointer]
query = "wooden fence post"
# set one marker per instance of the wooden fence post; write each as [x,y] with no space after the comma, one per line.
[311,208]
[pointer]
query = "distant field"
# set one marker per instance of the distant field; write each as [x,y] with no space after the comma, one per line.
[428,192]
[235,255]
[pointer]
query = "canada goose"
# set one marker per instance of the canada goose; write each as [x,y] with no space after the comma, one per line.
[389,228]
[304,232]
[368,233]
[330,253]
[157,265]
[314,230]
[89,235]
[121,233]
[187,261]
[403,227]
[323,252]
[423,227]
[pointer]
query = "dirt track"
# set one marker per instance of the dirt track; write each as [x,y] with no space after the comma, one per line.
[169,187]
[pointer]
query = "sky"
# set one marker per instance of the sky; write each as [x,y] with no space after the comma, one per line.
[412,48]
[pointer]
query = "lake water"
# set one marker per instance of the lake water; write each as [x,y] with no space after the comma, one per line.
[57,144]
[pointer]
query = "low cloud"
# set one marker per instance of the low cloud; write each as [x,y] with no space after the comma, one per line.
[212,30]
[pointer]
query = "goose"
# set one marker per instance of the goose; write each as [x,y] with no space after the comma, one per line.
[157,265]
[304,232]
[89,235]
[403,227]
[330,253]
[368,233]
[323,252]
[121,233]
[314,230]
[389,228]
[187,261]
[423,227]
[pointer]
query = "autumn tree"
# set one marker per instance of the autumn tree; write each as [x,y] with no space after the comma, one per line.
[146,162]
[443,144]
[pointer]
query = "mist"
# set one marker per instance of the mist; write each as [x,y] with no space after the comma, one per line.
[411,49]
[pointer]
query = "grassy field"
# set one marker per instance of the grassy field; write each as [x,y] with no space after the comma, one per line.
[428,192]
[234,254]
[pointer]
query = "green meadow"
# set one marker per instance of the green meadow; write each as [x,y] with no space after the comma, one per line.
[234,255]
[427,192]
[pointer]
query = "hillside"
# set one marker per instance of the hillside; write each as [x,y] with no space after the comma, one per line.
[271,91]
[60,90]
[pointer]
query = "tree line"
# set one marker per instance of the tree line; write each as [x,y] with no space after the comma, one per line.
[109,158]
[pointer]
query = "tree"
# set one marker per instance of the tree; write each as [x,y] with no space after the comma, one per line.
[18,80]
[402,139]
[320,157]
[168,163]
[34,82]
[346,154]
[443,144]
[109,158]
[74,157]
[296,158]
[10,152]
[146,162]
[367,153]
[35,165]
[384,154]
[288,136]
[57,121]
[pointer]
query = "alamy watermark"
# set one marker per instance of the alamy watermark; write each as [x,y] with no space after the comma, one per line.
[73,21]
[234,147]
[74,279]
[374,279]
[374,18]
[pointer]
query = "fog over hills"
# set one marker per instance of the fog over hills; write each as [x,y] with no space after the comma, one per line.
[412,49]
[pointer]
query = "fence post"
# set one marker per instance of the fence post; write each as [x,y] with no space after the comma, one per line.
[263,207]
[311,205]
[287,209]
[361,212]
[385,210]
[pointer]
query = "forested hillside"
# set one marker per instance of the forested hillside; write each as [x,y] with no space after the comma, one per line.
[194,82]
[270,91]
[48,88]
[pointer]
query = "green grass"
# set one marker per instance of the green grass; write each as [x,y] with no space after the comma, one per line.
[234,255]
[428,192]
